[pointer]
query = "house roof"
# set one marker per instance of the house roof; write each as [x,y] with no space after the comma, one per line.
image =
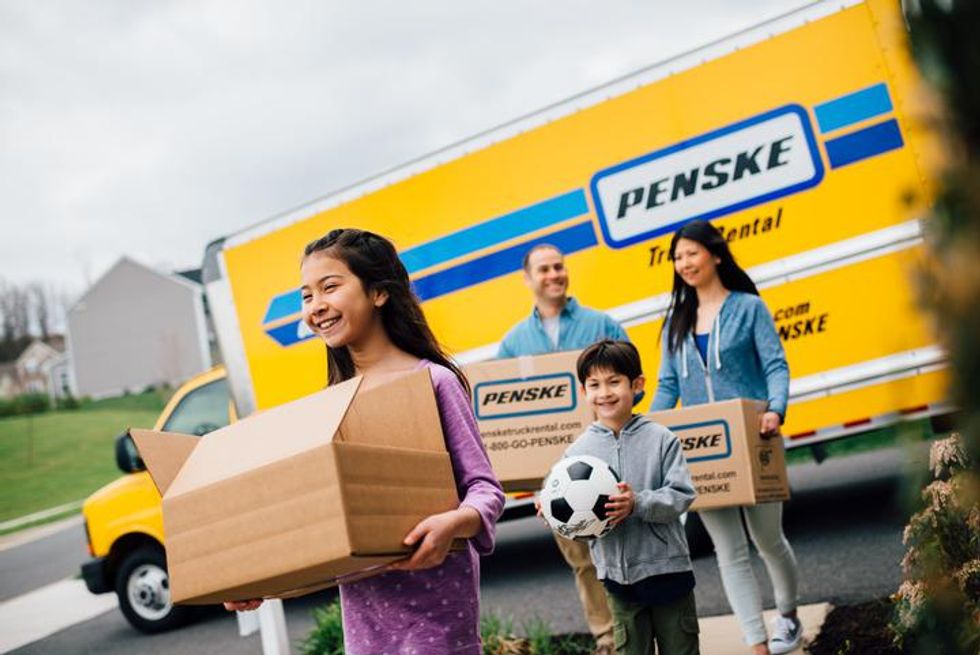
[192,274]
[37,343]
[56,341]
[178,278]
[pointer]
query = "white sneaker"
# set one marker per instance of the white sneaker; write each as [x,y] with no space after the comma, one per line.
[786,635]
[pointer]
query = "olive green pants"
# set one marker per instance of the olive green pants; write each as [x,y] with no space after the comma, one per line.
[674,627]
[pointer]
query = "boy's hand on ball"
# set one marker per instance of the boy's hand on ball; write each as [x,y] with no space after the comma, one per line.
[621,505]
[433,537]
[243,605]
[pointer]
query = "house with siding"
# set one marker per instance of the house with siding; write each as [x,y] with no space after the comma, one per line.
[136,327]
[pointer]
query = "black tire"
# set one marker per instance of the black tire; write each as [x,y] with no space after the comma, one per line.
[698,540]
[143,589]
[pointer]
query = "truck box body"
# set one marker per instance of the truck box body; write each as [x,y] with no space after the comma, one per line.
[802,139]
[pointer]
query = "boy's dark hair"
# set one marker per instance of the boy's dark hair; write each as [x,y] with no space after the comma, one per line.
[618,356]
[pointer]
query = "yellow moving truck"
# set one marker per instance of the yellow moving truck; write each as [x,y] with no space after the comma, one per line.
[800,138]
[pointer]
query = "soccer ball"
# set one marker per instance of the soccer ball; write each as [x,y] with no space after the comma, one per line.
[574,497]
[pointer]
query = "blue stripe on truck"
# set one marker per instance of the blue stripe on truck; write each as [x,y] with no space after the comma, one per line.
[283,305]
[865,143]
[572,239]
[853,108]
[495,231]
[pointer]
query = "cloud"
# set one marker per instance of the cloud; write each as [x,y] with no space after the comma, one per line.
[152,128]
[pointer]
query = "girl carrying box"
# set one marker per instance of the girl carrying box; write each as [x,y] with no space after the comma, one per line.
[358,299]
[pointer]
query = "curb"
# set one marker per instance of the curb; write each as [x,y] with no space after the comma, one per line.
[40,516]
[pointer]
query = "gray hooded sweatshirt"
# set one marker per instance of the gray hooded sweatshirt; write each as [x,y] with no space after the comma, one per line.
[651,540]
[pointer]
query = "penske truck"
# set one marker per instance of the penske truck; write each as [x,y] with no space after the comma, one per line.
[803,139]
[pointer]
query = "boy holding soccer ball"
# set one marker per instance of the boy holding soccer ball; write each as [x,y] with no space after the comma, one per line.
[644,562]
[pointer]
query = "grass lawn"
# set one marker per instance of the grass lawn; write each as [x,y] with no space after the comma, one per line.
[58,457]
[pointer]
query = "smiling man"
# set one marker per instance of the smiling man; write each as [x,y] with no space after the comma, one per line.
[559,323]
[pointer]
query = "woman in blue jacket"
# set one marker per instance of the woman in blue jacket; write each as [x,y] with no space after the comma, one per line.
[719,342]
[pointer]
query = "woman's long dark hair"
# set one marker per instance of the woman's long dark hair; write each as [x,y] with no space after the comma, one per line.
[374,260]
[683,311]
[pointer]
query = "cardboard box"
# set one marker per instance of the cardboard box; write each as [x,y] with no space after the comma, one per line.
[730,463]
[301,497]
[529,409]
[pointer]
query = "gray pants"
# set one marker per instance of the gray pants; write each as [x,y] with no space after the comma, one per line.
[765,523]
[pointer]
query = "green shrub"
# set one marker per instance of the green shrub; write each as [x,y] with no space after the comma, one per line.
[498,636]
[24,404]
[539,640]
[67,403]
[327,636]
[938,605]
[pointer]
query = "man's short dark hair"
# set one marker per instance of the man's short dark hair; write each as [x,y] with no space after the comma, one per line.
[618,356]
[540,246]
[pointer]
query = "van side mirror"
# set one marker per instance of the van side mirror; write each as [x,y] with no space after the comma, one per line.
[127,457]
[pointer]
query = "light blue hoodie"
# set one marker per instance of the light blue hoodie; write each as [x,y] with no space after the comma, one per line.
[745,360]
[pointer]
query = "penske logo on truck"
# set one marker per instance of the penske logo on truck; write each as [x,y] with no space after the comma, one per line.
[704,441]
[748,163]
[543,394]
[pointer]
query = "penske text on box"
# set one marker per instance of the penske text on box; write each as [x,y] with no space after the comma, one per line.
[302,496]
[530,409]
[731,464]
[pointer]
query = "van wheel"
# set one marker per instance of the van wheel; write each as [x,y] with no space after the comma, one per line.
[143,589]
[698,540]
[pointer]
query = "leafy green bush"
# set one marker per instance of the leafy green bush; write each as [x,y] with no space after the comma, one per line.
[24,404]
[327,636]
[67,403]
[498,636]
[938,604]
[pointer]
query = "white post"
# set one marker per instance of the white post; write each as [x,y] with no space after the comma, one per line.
[272,625]
[248,623]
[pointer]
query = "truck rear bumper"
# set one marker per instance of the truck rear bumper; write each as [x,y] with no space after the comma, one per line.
[94,572]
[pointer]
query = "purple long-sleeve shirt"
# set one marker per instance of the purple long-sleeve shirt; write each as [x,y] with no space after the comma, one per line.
[434,611]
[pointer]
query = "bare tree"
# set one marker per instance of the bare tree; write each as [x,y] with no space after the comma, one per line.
[14,320]
[41,307]
[6,312]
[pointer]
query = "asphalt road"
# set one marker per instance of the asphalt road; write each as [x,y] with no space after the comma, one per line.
[43,561]
[845,523]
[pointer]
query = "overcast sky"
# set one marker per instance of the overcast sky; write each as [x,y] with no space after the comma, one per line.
[150,128]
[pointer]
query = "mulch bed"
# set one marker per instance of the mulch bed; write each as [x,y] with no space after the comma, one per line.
[854,629]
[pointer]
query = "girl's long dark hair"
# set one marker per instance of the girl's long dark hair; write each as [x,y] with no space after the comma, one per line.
[683,311]
[374,260]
